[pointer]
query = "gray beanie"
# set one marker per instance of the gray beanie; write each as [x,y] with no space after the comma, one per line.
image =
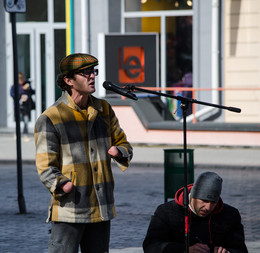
[207,187]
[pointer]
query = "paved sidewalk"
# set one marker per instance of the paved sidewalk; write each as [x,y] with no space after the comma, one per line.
[138,191]
[147,155]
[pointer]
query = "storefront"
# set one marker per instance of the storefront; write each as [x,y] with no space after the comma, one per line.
[188,35]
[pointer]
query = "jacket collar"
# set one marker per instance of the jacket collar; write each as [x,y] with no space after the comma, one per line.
[92,102]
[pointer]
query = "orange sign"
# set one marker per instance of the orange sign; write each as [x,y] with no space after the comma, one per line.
[131,65]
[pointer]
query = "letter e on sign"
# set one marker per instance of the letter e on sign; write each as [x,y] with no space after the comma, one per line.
[131,65]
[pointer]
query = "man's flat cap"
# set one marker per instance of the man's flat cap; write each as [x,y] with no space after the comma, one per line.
[77,62]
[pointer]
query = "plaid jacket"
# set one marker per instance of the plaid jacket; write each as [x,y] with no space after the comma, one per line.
[72,145]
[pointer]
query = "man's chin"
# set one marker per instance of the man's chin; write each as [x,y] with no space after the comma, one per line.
[92,90]
[203,214]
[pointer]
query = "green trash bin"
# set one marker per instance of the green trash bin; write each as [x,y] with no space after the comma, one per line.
[174,171]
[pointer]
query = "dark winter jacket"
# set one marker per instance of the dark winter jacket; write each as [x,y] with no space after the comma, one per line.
[166,232]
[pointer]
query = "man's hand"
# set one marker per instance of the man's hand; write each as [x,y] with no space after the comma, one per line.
[26,86]
[220,250]
[67,187]
[199,248]
[24,98]
[113,151]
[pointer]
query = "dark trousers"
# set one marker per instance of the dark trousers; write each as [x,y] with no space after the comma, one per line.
[91,237]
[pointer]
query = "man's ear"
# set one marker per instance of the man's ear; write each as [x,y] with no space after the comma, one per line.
[67,80]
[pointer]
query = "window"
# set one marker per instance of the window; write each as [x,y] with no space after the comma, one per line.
[59,11]
[157,5]
[60,52]
[172,20]
[36,11]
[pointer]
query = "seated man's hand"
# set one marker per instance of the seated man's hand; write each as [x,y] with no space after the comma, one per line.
[199,248]
[220,250]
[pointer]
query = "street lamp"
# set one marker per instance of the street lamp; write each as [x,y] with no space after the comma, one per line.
[14,6]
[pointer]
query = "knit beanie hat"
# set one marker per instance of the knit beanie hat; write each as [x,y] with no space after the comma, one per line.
[207,187]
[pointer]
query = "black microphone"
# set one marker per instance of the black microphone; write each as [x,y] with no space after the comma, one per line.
[119,90]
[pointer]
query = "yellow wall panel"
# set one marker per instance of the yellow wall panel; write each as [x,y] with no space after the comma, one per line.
[242,64]
[242,59]
[241,6]
[242,49]
[243,79]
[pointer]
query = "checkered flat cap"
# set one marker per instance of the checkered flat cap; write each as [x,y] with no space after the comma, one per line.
[75,62]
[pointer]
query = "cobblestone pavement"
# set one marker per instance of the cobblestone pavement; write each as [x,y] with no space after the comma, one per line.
[138,191]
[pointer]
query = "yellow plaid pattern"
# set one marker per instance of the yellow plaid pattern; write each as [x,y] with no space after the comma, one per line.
[72,145]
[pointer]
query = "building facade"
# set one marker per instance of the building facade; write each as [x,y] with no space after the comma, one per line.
[213,45]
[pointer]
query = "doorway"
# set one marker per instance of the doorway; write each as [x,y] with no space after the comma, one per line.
[36,61]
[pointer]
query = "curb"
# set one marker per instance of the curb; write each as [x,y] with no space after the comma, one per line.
[11,161]
[159,165]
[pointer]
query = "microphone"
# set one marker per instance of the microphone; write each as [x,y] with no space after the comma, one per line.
[119,90]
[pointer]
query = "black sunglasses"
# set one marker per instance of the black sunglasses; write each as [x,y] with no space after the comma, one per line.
[88,72]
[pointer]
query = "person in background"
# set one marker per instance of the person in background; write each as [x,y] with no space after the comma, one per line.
[26,102]
[75,140]
[213,225]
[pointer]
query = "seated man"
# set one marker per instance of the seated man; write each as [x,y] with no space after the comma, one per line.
[213,225]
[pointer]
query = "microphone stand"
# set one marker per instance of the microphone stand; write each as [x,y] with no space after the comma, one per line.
[185,102]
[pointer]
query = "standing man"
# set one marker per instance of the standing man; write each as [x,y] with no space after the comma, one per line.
[213,225]
[75,140]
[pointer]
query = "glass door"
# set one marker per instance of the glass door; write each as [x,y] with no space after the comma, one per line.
[44,60]
[35,61]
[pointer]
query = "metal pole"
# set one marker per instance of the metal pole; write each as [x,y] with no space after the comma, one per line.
[184,107]
[21,200]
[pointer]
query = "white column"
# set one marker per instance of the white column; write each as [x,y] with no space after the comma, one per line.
[215,51]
